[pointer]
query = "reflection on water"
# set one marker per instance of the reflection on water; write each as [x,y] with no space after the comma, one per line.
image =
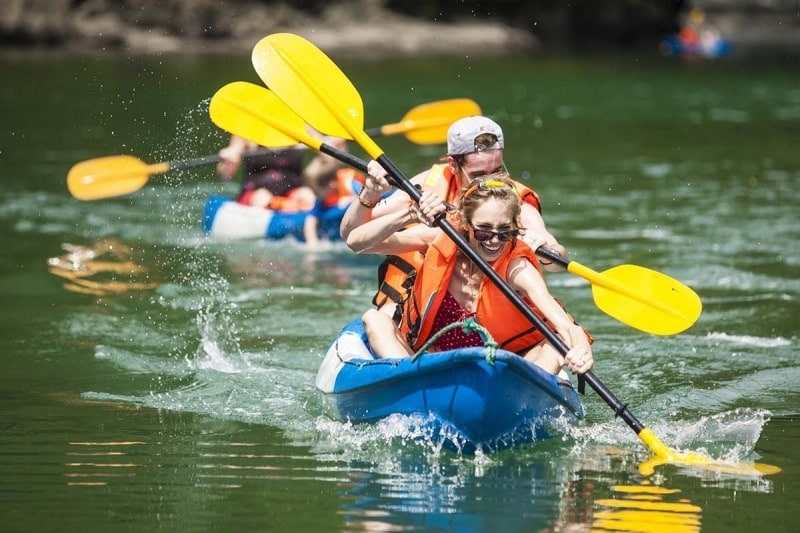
[87,275]
[646,508]
[292,265]
[96,463]
[406,491]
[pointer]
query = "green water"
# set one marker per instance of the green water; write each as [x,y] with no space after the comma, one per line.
[186,402]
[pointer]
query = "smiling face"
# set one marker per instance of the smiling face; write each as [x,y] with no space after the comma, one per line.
[496,215]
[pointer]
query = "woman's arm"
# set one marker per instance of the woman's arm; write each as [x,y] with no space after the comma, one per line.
[536,234]
[232,156]
[399,231]
[526,279]
[310,226]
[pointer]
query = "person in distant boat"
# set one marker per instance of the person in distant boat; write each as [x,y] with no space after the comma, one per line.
[449,288]
[475,147]
[335,186]
[272,179]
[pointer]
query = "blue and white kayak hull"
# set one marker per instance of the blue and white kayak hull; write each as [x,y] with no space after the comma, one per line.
[463,399]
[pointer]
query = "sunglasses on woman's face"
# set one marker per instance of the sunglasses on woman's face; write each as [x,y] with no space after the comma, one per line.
[483,235]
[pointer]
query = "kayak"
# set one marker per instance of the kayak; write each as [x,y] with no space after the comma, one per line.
[457,397]
[673,45]
[224,217]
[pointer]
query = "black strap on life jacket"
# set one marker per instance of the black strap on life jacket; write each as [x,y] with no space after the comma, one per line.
[387,292]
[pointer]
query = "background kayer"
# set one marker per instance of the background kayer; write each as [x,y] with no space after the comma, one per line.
[335,185]
[271,178]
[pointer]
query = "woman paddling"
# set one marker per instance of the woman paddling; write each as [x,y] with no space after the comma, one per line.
[450,288]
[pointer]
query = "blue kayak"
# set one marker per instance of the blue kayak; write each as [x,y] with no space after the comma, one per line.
[224,217]
[463,400]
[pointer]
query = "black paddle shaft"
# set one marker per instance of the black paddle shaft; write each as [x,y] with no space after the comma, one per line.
[211,159]
[196,162]
[620,409]
[344,157]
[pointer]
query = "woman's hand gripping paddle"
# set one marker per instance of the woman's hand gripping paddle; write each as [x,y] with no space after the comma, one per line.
[313,86]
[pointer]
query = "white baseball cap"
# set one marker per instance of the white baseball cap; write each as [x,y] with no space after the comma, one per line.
[462,134]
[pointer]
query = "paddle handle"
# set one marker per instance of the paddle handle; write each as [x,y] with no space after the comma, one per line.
[345,157]
[211,159]
[195,162]
[551,255]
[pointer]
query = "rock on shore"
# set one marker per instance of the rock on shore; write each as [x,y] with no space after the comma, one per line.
[361,28]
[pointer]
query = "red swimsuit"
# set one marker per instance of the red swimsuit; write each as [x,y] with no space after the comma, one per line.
[450,312]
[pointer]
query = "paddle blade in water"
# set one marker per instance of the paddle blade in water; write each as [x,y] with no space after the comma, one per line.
[256,114]
[663,455]
[647,300]
[309,83]
[428,123]
[106,177]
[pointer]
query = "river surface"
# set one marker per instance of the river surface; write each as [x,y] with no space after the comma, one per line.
[155,378]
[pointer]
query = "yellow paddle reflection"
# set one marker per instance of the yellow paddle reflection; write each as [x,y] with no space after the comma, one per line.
[93,464]
[646,508]
[88,275]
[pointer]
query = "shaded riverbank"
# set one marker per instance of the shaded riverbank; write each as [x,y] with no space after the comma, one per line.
[364,29]
[382,28]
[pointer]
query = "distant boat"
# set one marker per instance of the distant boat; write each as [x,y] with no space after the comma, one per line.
[224,217]
[675,45]
[697,38]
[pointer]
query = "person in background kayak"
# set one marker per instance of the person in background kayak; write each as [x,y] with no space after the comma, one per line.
[272,179]
[335,185]
[449,288]
[475,147]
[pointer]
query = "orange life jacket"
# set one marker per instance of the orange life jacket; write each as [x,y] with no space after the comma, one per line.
[295,201]
[343,186]
[396,273]
[509,327]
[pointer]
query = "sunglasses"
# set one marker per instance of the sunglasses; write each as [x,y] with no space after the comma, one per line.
[483,235]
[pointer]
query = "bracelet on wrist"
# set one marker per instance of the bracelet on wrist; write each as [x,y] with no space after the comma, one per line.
[365,203]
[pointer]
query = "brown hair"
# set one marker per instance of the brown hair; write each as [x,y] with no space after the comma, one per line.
[498,186]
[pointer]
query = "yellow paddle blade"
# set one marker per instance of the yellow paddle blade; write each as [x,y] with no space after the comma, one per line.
[306,79]
[110,176]
[645,299]
[428,123]
[663,455]
[255,113]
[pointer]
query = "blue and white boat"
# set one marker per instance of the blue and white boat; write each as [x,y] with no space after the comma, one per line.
[226,218]
[463,400]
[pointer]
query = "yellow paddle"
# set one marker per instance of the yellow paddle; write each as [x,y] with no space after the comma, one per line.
[117,175]
[428,123]
[313,86]
[642,298]
[639,297]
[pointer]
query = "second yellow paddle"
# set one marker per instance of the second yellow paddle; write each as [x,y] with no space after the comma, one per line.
[117,175]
